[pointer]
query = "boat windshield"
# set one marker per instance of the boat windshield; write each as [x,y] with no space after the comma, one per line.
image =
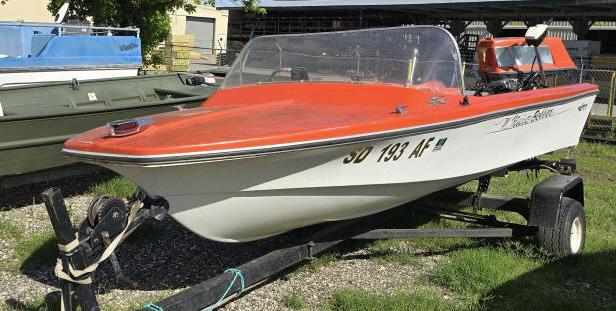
[416,56]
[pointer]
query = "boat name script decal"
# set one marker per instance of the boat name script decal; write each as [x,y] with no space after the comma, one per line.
[395,151]
[128,47]
[524,119]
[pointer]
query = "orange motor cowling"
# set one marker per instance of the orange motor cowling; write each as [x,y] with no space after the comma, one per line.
[502,57]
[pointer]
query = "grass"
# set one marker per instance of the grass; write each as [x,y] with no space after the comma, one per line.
[134,305]
[517,275]
[293,301]
[35,251]
[387,252]
[400,301]
[471,275]
[52,303]
[8,230]
[511,274]
[476,271]
[35,304]
[116,186]
[315,264]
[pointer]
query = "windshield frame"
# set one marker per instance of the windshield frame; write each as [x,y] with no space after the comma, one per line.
[243,57]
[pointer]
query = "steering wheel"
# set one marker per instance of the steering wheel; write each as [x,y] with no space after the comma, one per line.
[530,82]
[297,74]
[277,71]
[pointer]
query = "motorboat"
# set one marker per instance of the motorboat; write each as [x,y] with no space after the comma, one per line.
[62,51]
[36,120]
[311,128]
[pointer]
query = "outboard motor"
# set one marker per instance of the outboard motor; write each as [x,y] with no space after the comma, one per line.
[520,63]
[201,79]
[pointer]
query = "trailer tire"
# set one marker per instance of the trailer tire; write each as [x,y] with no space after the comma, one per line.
[568,235]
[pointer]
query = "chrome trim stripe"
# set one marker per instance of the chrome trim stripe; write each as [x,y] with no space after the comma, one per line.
[93,67]
[28,143]
[165,159]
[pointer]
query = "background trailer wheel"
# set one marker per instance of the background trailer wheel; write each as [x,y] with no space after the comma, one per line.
[568,235]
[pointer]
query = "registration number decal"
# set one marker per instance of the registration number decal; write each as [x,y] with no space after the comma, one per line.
[394,151]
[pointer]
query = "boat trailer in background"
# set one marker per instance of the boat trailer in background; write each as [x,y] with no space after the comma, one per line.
[554,214]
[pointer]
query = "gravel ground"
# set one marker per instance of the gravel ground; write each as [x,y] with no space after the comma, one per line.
[164,258]
[21,286]
[354,271]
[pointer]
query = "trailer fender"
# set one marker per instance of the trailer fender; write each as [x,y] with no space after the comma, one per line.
[546,198]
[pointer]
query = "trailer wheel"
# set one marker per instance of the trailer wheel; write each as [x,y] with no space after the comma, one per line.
[568,235]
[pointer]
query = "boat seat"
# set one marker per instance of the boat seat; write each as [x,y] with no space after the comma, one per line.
[299,74]
[174,93]
[28,110]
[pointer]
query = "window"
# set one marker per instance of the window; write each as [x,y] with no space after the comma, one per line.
[522,55]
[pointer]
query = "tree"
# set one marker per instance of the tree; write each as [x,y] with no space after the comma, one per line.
[252,6]
[150,16]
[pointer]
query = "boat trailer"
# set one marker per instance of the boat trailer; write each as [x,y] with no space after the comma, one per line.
[553,212]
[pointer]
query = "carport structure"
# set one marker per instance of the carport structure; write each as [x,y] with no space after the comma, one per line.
[298,16]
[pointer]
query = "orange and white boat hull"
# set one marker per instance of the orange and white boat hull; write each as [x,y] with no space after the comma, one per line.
[257,195]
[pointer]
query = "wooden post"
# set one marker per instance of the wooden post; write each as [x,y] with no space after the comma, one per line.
[63,228]
[555,79]
[612,94]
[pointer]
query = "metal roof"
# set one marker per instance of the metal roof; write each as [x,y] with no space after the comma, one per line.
[453,9]
[228,4]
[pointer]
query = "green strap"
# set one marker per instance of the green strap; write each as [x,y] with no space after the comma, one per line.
[153,307]
[237,274]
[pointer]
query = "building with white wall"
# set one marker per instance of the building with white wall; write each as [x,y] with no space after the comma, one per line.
[26,10]
[208,25]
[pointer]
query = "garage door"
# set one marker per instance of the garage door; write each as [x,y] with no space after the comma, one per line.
[203,30]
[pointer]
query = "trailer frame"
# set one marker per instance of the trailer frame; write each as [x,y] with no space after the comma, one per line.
[546,197]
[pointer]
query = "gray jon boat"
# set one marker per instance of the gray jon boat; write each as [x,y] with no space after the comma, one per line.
[35,120]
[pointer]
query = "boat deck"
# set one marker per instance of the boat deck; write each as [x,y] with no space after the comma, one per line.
[316,113]
[37,119]
[87,96]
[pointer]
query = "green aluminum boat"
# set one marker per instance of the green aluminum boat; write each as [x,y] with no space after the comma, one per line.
[35,120]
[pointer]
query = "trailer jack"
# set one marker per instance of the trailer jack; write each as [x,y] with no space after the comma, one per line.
[109,221]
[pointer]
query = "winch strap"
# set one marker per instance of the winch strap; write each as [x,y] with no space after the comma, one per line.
[67,276]
[73,274]
[67,248]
